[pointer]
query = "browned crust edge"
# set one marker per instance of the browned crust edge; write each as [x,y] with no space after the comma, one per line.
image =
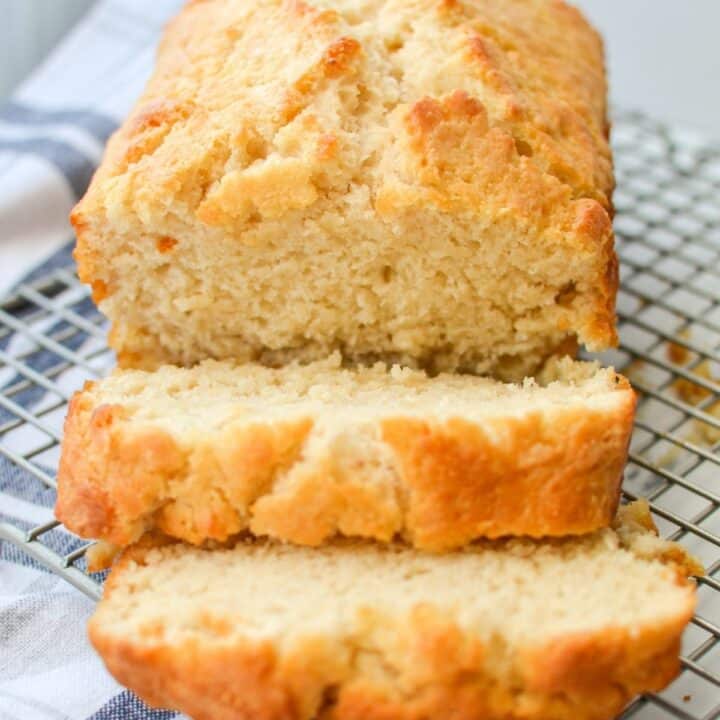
[537,475]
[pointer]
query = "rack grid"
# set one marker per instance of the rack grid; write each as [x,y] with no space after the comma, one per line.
[668,224]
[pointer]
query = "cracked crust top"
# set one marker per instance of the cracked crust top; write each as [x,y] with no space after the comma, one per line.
[522,80]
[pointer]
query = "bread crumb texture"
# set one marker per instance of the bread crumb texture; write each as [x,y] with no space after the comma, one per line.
[307,452]
[420,181]
[507,630]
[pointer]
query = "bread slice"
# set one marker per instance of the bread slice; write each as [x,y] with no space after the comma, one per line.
[416,181]
[303,453]
[512,630]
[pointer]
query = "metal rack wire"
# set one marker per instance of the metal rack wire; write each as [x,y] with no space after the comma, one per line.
[668,225]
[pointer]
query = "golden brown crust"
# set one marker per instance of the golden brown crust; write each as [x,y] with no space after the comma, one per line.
[421,666]
[117,481]
[521,476]
[633,522]
[251,681]
[437,484]
[572,667]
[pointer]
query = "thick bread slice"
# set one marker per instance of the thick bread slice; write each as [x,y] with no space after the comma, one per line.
[303,453]
[512,630]
[425,182]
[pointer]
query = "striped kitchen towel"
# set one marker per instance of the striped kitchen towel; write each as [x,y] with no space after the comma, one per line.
[52,133]
[53,129]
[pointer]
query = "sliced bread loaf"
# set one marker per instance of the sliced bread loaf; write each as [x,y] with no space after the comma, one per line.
[511,630]
[415,181]
[303,453]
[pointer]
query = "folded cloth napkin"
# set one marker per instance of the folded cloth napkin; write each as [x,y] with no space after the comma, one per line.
[51,137]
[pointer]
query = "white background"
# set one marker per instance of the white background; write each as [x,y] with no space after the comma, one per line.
[28,29]
[664,55]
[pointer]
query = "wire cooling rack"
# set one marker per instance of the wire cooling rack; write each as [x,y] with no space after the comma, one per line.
[668,226]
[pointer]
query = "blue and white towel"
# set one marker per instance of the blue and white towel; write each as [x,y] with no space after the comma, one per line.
[51,137]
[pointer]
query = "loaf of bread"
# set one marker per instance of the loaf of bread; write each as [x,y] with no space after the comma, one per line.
[306,452]
[511,630]
[419,181]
